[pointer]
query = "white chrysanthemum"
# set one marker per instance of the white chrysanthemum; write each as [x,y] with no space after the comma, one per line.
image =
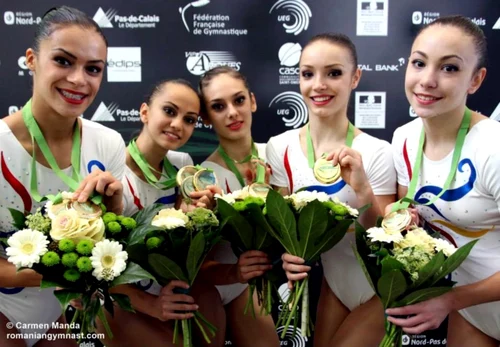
[302,198]
[170,218]
[26,247]
[226,197]
[443,245]
[352,211]
[383,235]
[417,237]
[108,260]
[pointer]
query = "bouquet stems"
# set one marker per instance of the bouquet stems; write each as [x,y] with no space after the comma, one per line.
[393,336]
[263,287]
[186,327]
[300,294]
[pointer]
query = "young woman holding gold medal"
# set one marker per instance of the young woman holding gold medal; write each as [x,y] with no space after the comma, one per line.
[358,170]
[157,173]
[237,162]
[447,162]
[47,148]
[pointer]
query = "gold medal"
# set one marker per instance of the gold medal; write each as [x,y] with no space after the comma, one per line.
[325,171]
[204,178]
[56,209]
[184,173]
[87,209]
[259,189]
[187,187]
[397,220]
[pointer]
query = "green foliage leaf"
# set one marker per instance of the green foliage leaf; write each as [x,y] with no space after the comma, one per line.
[429,270]
[50,284]
[363,266]
[422,295]
[262,230]
[237,222]
[454,261]
[389,264]
[138,235]
[123,301]
[166,269]
[312,223]
[65,296]
[145,215]
[282,220]
[19,218]
[133,273]
[390,286]
[195,254]
[329,239]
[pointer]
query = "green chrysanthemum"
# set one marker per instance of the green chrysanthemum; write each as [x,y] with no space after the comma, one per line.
[84,247]
[69,259]
[119,218]
[71,275]
[114,227]
[337,209]
[129,223]
[67,245]
[153,242]
[38,221]
[50,258]
[243,205]
[202,217]
[109,217]
[84,264]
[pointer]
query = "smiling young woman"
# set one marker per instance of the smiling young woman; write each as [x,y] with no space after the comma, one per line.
[448,63]
[67,59]
[348,312]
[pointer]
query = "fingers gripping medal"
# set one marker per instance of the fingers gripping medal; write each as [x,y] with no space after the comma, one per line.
[397,220]
[187,188]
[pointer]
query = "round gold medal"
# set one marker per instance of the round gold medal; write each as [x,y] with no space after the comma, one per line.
[259,189]
[187,187]
[87,209]
[397,220]
[325,171]
[185,172]
[204,178]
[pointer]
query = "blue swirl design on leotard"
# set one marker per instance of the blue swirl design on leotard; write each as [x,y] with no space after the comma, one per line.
[97,163]
[330,189]
[169,199]
[450,194]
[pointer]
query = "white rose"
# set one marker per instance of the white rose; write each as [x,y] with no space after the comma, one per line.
[68,224]
[170,218]
[383,235]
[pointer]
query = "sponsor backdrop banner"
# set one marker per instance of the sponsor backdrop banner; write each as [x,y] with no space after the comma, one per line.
[152,40]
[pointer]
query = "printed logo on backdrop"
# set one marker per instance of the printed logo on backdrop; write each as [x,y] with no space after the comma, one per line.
[496,26]
[427,17]
[495,115]
[20,18]
[372,18]
[291,108]
[124,64]
[412,112]
[13,109]
[383,67]
[113,112]
[200,62]
[207,24]
[369,110]
[111,19]
[21,62]
[289,56]
[290,339]
[294,14]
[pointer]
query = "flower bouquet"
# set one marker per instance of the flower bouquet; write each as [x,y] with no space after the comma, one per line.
[173,245]
[307,224]
[74,247]
[245,229]
[406,267]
